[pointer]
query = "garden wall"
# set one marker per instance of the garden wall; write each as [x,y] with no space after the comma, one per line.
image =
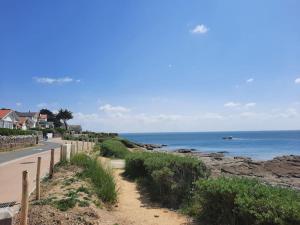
[12,142]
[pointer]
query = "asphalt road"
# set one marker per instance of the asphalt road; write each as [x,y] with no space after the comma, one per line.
[8,156]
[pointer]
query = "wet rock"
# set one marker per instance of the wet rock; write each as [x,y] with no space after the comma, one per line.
[243,158]
[183,150]
[282,171]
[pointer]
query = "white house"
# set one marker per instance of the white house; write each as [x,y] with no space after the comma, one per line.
[32,116]
[25,123]
[8,119]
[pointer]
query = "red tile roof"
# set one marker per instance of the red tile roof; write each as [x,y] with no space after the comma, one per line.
[4,112]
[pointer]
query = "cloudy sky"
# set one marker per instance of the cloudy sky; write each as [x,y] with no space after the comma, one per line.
[145,66]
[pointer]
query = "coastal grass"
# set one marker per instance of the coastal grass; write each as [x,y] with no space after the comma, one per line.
[243,201]
[102,179]
[114,148]
[168,178]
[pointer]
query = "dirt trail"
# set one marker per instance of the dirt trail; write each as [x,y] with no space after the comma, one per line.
[135,209]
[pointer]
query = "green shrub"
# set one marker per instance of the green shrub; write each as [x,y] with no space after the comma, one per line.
[114,148]
[127,143]
[65,203]
[89,136]
[241,201]
[102,179]
[96,148]
[13,132]
[169,178]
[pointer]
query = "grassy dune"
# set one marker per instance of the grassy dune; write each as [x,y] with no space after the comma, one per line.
[102,178]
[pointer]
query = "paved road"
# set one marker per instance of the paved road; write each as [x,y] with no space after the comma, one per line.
[8,156]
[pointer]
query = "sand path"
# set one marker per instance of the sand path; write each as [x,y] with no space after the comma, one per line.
[132,208]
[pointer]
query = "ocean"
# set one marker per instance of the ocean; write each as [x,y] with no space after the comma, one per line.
[259,145]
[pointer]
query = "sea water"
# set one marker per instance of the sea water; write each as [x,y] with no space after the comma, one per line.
[260,145]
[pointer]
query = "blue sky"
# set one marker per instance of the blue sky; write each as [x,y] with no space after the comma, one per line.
[135,66]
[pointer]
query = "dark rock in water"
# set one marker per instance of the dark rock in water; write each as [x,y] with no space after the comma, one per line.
[186,150]
[164,145]
[227,138]
[183,150]
[223,152]
[149,146]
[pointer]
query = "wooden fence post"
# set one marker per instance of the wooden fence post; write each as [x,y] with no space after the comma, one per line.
[24,203]
[77,147]
[61,153]
[51,169]
[64,153]
[38,179]
[83,146]
[72,150]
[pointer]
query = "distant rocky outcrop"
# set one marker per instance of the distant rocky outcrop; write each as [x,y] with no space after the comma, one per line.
[150,146]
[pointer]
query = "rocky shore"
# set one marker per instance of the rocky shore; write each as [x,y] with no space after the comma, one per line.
[283,170]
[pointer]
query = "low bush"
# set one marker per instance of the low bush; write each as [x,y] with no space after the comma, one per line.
[13,132]
[89,136]
[97,148]
[241,201]
[126,142]
[168,178]
[102,178]
[114,148]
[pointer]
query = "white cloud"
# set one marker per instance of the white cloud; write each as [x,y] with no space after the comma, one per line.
[18,103]
[212,116]
[297,81]
[202,121]
[52,105]
[248,114]
[92,117]
[49,80]
[159,99]
[200,29]
[250,104]
[232,104]
[250,80]
[289,113]
[238,105]
[42,105]
[113,109]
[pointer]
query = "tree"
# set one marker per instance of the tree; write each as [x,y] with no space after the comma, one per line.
[64,115]
[51,117]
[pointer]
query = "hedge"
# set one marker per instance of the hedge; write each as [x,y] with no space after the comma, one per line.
[88,136]
[168,178]
[13,132]
[113,148]
[241,201]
